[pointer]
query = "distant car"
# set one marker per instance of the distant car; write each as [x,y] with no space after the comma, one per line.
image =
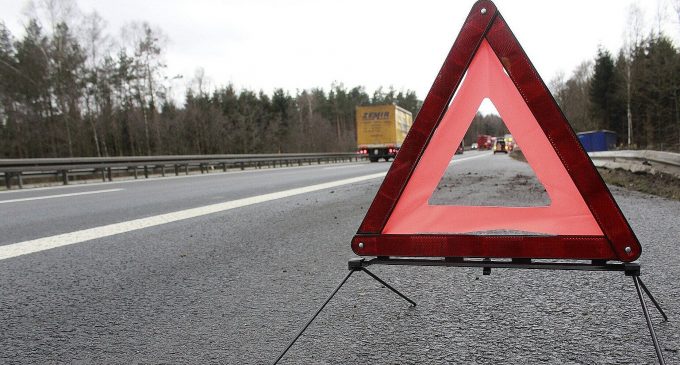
[473,146]
[500,146]
[460,149]
[509,142]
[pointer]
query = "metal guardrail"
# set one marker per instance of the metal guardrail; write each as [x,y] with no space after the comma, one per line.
[638,161]
[64,168]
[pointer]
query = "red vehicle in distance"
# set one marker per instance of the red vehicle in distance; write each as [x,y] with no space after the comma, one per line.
[484,142]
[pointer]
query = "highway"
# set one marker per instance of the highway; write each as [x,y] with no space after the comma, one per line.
[225,267]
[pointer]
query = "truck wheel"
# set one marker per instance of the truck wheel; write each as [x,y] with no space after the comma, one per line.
[387,159]
[373,159]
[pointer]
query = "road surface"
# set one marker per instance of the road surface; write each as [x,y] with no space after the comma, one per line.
[224,268]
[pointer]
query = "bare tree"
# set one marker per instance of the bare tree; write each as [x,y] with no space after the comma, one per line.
[53,12]
[147,43]
[573,96]
[633,38]
[95,40]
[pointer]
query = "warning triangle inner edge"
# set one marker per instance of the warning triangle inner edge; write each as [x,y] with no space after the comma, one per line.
[507,180]
[567,214]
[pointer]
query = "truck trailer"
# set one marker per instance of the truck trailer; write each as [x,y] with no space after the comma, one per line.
[381,129]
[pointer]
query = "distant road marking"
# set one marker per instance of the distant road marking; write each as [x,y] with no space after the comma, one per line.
[46,243]
[58,196]
[343,167]
[455,160]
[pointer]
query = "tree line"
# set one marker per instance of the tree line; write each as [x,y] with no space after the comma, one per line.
[633,92]
[71,91]
[68,89]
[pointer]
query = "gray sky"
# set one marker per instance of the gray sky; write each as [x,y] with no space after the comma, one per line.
[265,44]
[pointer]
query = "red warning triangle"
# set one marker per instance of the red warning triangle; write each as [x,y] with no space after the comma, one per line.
[582,221]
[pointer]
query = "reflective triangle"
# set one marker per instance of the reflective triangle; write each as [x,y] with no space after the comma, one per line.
[582,221]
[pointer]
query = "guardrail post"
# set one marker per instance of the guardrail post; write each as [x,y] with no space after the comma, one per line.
[135,172]
[109,174]
[163,170]
[64,176]
[146,172]
[224,167]
[103,175]
[8,182]
[176,169]
[242,165]
[20,180]
[186,169]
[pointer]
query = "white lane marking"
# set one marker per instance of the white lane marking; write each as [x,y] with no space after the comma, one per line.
[455,160]
[344,167]
[46,243]
[58,196]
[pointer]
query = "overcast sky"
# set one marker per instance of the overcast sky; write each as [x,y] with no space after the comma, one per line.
[262,44]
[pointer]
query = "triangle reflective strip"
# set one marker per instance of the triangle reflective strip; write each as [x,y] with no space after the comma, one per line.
[583,220]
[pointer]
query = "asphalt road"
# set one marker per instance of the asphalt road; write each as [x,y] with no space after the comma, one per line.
[231,284]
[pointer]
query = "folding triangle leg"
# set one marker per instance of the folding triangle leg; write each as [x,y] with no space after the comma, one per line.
[355,264]
[648,319]
[651,297]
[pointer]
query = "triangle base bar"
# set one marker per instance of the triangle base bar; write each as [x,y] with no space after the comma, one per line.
[499,246]
[629,269]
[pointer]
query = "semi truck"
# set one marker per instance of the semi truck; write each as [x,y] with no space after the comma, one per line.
[381,129]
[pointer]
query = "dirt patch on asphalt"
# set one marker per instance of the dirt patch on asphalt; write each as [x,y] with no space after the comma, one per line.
[518,155]
[659,184]
[498,181]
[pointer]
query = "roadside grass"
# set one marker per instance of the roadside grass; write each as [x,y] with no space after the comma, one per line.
[659,184]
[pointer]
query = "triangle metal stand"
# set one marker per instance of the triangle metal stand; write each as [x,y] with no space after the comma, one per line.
[629,269]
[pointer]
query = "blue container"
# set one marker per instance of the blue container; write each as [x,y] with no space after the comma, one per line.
[602,140]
